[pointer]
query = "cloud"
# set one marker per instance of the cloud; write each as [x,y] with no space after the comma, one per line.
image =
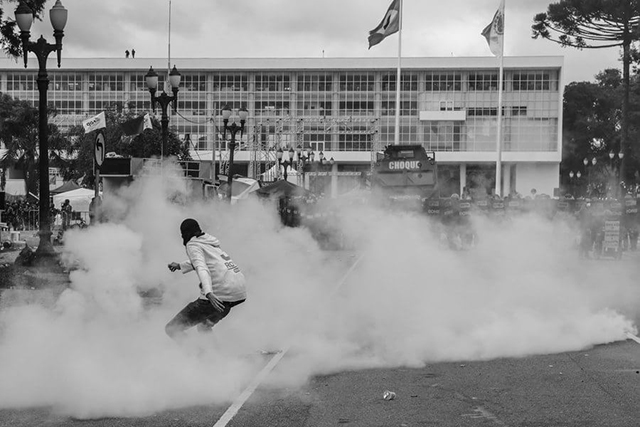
[284,28]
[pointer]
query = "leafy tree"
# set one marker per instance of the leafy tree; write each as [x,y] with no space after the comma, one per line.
[9,31]
[19,131]
[595,24]
[148,144]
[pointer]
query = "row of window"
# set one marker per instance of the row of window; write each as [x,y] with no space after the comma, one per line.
[442,82]
[537,135]
[278,108]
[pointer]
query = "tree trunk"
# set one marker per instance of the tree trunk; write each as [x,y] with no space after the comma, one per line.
[626,63]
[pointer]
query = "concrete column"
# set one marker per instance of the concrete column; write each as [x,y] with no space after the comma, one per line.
[334,181]
[506,179]
[463,176]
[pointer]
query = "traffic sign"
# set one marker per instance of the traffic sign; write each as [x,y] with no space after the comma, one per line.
[99,149]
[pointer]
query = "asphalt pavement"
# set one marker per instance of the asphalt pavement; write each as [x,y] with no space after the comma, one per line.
[595,387]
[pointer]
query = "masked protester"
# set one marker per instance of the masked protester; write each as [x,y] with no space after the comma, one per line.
[222,284]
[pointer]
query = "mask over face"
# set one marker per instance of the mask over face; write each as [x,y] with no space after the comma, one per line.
[189,228]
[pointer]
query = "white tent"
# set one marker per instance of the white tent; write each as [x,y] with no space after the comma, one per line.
[79,199]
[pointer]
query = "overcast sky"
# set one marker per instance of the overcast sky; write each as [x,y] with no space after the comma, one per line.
[306,28]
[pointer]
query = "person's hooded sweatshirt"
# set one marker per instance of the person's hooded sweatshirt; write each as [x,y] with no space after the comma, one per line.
[217,271]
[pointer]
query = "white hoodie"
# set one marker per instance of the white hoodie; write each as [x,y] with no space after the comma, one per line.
[216,270]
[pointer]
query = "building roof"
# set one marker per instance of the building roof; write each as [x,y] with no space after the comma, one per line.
[252,64]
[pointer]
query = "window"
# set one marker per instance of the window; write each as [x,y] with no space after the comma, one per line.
[357,82]
[532,81]
[482,112]
[314,83]
[409,82]
[106,82]
[318,142]
[483,82]
[315,108]
[193,82]
[230,83]
[356,108]
[66,82]
[443,82]
[273,83]
[355,142]
[196,108]
[68,107]
[518,111]
[407,108]
[442,136]
[272,108]
[21,81]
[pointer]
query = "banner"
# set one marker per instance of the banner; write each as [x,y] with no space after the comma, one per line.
[94,123]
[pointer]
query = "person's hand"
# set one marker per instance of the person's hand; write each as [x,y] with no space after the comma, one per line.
[174,266]
[215,302]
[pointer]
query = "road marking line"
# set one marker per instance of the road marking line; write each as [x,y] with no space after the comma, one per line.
[633,337]
[244,396]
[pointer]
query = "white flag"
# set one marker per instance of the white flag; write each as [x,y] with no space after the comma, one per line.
[94,123]
[147,122]
[494,32]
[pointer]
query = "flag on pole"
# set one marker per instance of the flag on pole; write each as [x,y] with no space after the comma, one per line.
[494,32]
[390,24]
[94,123]
[136,125]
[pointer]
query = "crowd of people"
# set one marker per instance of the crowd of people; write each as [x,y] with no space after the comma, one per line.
[20,214]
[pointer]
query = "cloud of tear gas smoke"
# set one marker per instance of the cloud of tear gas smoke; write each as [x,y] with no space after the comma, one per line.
[100,350]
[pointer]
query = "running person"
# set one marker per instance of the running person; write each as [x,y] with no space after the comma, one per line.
[222,284]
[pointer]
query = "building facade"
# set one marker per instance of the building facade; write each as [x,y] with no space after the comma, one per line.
[342,107]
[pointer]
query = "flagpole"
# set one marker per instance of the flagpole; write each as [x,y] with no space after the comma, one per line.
[499,133]
[397,127]
[500,113]
[166,83]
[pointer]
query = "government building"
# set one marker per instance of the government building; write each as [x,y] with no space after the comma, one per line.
[344,108]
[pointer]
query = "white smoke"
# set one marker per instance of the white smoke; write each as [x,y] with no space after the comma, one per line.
[101,350]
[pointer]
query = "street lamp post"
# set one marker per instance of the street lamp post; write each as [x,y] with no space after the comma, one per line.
[586,164]
[42,49]
[616,173]
[577,176]
[286,163]
[303,156]
[233,128]
[164,100]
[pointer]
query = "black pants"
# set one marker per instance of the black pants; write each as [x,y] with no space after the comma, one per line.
[198,312]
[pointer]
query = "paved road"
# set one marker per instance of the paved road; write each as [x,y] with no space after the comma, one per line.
[599,387]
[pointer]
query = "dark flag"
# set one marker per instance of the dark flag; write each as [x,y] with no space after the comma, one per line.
[135,126]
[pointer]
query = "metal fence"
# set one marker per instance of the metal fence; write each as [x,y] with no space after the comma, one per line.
[29,220]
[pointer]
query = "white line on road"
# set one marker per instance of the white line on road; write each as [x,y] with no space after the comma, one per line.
[633,337]
[244,396]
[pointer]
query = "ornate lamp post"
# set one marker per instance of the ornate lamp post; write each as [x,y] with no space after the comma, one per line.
[303,156]
[616,173]
[233,129]
[286,163]
[586,165]
[577,176]
[164,100]
[42,49]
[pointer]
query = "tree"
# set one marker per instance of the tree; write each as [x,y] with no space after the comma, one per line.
[9,33]
[595,24]
[591,122]
[148,144]
[19,132]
